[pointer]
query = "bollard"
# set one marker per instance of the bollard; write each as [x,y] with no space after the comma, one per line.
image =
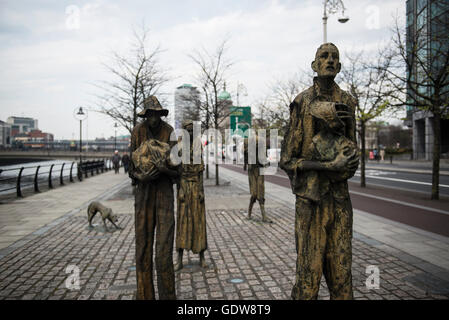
[80,172]
[19,191]
[50,184]
[85,168]
[391,159]
[36,183]
[71,168]
[61,180]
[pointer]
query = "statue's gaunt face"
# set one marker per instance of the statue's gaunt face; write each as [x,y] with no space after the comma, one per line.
[153,119]
[327,62]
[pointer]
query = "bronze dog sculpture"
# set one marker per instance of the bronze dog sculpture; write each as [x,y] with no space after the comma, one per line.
[106,214]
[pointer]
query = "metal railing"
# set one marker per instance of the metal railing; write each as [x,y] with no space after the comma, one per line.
[23,177]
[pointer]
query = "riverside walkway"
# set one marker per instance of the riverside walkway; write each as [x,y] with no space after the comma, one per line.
[44,234]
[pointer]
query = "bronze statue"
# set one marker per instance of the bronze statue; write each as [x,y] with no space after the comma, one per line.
[106,214]
[319,154]
[256,181]
[154,203]
[191,210]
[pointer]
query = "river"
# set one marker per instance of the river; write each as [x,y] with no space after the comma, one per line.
[9,173]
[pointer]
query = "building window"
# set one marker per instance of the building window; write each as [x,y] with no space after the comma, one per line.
[421,5]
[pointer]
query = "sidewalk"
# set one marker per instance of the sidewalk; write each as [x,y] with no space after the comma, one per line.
[247,259]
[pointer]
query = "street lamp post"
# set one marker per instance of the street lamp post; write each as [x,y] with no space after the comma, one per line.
[331,7]
[80,115]
[240,88]
[115,139]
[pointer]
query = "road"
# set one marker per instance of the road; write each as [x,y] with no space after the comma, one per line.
[401,197]
[416,182]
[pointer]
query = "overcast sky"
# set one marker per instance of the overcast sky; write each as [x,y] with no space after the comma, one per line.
[50,61]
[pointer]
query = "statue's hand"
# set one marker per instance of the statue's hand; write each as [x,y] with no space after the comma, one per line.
[160,165]
[201,197]
[344,161]
[299,165]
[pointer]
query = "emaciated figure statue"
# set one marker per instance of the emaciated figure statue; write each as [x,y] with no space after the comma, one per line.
[256,181]
[319,154]
[154,201]
[191,210]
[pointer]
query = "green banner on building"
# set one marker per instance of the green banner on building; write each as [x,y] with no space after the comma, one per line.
[240,119]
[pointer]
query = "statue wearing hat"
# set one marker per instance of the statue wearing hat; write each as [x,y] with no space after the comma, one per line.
[153,175]
[319,155]
[191,210]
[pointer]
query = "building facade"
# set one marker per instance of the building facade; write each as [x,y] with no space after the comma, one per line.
[22,124]
[424,18]
[187,104]
[5,135]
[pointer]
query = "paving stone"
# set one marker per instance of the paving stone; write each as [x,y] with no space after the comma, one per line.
[260,258]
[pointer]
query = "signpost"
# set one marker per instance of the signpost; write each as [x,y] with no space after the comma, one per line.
[240,119]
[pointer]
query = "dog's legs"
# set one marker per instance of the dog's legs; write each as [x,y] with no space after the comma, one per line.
[105,226]
[116,226]
[90,217]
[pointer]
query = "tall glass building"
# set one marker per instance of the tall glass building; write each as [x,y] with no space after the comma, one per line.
[186,104]
[428,36]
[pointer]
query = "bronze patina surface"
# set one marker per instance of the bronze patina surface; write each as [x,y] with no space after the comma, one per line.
[319,154]
[154,208]
[256,181]
[191,211]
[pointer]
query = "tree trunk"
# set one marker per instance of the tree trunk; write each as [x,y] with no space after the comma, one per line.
[217,181]
[216,114]
[207,140]
[362,158]
[436,155]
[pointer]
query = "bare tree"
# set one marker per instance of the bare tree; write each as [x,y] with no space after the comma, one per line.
[274,109]
[424,53]
[212,70]
[371,88]
[137,75]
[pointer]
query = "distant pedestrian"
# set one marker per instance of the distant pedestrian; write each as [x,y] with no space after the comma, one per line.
[116,161]
[125,161]
[371,155]
[382,154]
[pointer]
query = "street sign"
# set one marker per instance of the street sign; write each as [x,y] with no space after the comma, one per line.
[240,119]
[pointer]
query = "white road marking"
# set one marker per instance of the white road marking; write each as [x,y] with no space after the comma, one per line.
[402,180]
[391,200]
[377,172]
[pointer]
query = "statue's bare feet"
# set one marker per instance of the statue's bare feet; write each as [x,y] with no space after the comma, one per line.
[248,217]
[178,266]
[267,220]
[203,264]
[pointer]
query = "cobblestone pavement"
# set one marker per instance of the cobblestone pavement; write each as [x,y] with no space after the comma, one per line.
[247,259]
